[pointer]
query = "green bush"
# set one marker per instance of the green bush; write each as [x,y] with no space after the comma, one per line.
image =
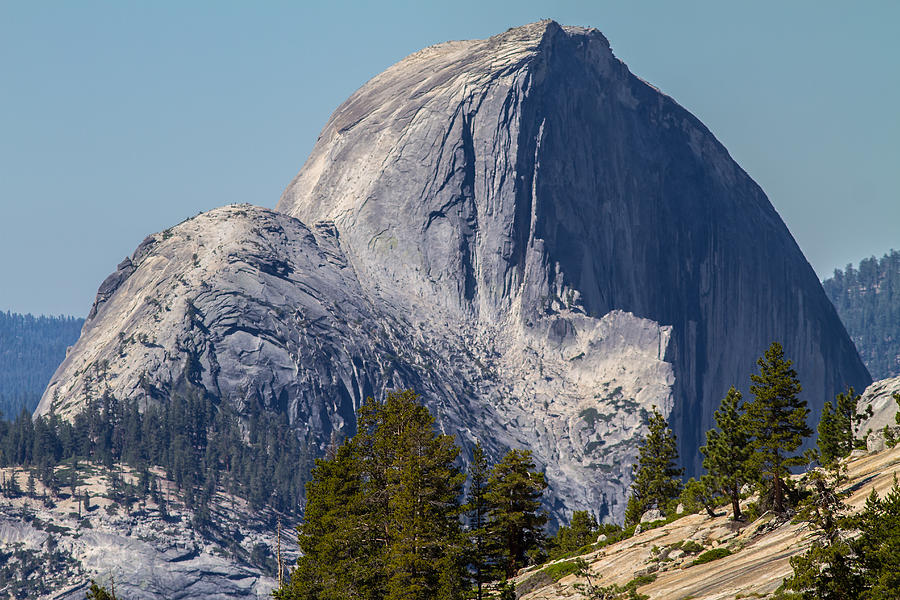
[691,547]
[711,555]
[559,570]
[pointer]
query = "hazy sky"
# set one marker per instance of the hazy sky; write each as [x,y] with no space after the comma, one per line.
[118,119]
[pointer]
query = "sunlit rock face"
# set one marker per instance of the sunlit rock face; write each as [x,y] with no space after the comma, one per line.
[540,243]
[523,179]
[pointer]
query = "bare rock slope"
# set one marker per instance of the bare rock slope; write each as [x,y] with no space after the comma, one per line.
[539,242]
[760,551]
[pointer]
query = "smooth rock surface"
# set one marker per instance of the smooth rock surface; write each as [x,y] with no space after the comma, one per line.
[530,180]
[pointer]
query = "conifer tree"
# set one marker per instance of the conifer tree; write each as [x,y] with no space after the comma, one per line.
[657,480]
[826,571]
[776,420]
[836,425]
[727,451]
[581,531]
[516,520]
[98,592]
[477,513]
[382,515]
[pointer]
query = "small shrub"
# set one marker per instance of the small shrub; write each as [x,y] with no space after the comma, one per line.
[711,555]
[559,570]
[640,580]
[692,547]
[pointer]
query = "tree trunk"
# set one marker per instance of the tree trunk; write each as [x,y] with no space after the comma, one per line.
[736,504]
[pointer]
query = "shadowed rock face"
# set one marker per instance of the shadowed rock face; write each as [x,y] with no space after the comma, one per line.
[513,178]
[536,240]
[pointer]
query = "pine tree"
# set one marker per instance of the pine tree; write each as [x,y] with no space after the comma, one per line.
[581,531]
[516,519]
[836,426]
[826,571]
[481,560]
[877,546]
[727,451]
[98,592]
[657,480]
[776,420]
[382,515]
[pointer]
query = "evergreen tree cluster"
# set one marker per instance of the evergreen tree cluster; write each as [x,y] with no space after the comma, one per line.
[385,517]
[31,349]
[867,299]
[855,556]
[754,441]
[200,445]
[836,426]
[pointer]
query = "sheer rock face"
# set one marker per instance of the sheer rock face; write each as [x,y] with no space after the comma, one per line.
[538,242]
[518,180]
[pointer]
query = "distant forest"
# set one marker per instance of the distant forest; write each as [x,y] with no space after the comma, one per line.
[30,350]
[867,298]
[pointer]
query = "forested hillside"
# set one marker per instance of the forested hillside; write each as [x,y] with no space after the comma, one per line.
[30,350]
[867,298]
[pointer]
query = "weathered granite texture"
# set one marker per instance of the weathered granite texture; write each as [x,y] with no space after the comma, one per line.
[53,549]
[258,309]
[539,242]
[518,180]
[880,397]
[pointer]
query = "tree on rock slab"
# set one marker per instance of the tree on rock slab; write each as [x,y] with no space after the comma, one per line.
[776,421]
[836,426]
[727,450]
[657,479]
[382,514]
[516,522]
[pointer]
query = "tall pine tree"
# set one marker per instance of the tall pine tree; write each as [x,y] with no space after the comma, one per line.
[657,479]
[726,451]
[481,561]
[382,515]
[516,522]
[776,420]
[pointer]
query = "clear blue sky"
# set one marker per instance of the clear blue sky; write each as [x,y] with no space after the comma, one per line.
[118,119]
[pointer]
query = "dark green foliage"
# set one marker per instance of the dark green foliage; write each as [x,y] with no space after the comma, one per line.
[200,446]
[657,480]
[868,301]
[559,570]
[30,350]
[878,546]
[776,421]
[581,531]
[727,451]
[711,555]
[482,561]
[98,592]
[855,556]
[516,521]
[826,570]
[700,495]
[836,426]
[382,513]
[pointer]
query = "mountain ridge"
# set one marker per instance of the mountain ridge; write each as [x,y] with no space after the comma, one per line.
[536,240]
